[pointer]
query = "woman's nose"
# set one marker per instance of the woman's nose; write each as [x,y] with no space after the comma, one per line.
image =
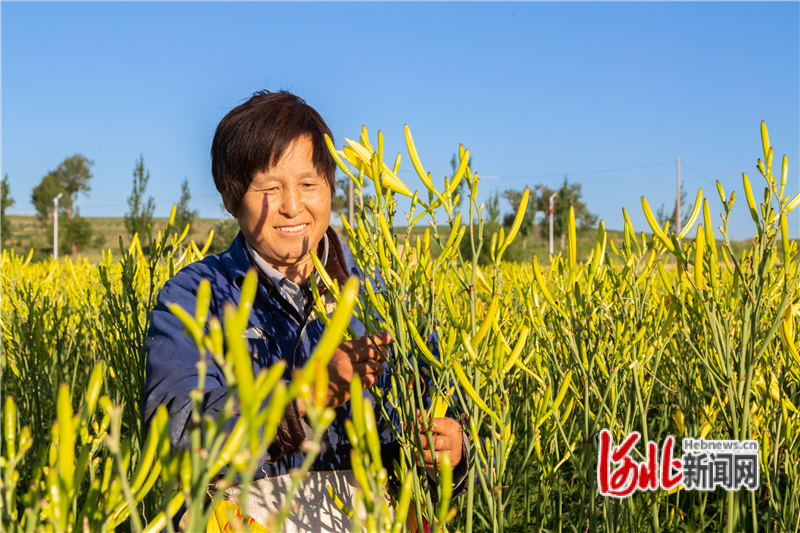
[291,204]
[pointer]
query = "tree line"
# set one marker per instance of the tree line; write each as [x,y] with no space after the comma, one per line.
[71,178]
[536,218]
[536,214]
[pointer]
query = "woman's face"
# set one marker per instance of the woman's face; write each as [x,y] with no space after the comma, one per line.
[286,211]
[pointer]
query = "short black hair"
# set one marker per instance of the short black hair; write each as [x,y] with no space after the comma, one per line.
[254,135]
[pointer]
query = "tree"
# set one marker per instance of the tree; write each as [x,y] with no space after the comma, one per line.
[568,195]
[70,178]
[462,185]
[76,233]
[340,203]
[74,174]
[5,201]
[42,198]
[140,214]
[183,215]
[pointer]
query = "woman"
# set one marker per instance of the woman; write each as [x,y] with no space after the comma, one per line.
[275,174]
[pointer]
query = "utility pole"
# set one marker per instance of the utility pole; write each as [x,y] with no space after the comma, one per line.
[352,202]
[552,196]
[55,226]
[678,205]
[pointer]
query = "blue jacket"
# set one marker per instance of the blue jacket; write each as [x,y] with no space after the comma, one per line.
[275,332]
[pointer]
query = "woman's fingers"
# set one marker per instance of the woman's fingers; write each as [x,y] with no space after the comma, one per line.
[446,436]
[362,357]
[441,442]
[446,426]
[429,461]
[366,353]
[379,339]
[365,348]
[370,380]
[368,368]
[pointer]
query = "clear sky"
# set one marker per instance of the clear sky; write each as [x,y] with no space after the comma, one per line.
[606,93]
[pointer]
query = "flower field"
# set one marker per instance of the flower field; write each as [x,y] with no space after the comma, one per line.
[659,333]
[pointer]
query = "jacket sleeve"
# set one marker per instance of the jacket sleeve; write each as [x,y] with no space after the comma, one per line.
[171,374]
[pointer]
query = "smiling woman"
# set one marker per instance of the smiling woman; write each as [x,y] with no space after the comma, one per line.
[271,165]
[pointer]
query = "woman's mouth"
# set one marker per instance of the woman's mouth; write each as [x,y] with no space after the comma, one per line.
[292,230]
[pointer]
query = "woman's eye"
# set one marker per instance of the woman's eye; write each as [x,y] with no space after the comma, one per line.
[264,190]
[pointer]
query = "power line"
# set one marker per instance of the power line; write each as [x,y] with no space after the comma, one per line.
[558,174]
[585,172]
[696,172]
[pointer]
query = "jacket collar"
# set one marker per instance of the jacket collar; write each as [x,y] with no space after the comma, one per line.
[235,262]
[340,265]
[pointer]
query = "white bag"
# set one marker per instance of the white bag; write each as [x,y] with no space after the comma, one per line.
[314,511]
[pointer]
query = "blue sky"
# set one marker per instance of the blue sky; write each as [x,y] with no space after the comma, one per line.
[606,93]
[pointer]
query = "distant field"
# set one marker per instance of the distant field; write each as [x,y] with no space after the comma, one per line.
[28,233]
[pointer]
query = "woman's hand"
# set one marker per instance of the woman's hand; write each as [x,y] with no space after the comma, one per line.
[361,356]
[447,436]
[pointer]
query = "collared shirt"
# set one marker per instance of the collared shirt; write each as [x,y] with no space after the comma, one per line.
[291,292]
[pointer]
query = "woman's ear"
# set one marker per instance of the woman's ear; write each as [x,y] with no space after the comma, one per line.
[227,205]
